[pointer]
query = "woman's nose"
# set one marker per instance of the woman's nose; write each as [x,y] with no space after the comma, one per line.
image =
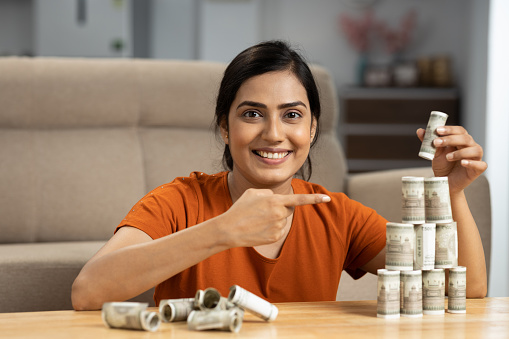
[273,130]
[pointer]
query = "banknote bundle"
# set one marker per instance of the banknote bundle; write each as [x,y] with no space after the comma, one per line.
[437,200]
[412,200]
[388,297]
[399,246]
[130,315]
[433,291]
[226,320]
[252,303]
[436,119]
[411,294]
[457,290]
[208,310]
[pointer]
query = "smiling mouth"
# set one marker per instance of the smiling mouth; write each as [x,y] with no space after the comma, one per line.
[271,155]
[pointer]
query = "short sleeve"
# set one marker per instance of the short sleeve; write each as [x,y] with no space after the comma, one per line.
[367,239]
[163,211]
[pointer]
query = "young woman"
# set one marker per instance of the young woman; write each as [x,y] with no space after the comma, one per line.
[256,225]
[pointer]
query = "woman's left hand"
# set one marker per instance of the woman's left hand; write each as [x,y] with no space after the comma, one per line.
[457,156]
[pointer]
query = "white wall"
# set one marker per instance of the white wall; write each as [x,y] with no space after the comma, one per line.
[497,150]
[58,33]
[16,26]
[174,27]
[474,90]
[227,27]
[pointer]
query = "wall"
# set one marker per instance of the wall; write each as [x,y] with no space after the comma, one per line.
[174,28]
[497,150]
[58,31]
[16,27]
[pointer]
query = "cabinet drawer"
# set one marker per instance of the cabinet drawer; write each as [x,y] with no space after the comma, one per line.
[382,147]
[397,111]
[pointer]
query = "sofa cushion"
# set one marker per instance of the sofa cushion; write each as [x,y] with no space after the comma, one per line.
[72,184]
[37,276]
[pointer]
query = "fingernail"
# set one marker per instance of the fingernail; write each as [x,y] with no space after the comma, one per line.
[449,156]
[326,198]
[438,142]
[440,129]
[465,162]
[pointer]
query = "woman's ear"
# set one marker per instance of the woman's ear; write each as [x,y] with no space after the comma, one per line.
[313,129]
[224,132]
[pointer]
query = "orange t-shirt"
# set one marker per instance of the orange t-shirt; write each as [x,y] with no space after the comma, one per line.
[324,240]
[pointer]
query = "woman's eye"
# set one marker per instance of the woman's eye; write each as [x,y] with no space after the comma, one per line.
[293,115]
[251,114]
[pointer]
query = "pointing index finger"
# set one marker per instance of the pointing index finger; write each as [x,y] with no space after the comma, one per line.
[304,199]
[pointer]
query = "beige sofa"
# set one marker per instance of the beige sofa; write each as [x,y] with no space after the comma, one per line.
[81,140]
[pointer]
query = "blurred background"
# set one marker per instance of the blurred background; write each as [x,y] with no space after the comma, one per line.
[390,60]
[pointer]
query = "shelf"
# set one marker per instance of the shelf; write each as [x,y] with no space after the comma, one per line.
[378,125]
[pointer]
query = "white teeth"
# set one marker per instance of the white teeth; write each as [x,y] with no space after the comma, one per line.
[271,155]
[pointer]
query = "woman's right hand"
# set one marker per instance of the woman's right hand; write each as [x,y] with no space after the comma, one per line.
[259,216]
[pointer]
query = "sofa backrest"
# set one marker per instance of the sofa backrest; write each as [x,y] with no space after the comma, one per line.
[81,140]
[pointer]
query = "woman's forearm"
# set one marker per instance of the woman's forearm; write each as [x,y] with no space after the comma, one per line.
[470,249]
[126,272]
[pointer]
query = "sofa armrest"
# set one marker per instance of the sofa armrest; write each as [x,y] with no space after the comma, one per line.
[381,191]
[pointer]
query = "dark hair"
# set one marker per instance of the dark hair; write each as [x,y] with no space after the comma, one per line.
[262,58]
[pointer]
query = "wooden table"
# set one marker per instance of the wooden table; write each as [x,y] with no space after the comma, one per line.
[487,318]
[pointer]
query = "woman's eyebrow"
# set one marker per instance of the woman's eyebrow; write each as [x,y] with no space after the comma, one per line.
[260,105]
[292,104]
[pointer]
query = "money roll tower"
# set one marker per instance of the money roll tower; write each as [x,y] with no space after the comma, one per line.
[423,244]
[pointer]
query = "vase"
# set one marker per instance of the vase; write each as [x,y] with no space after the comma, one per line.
[362,63]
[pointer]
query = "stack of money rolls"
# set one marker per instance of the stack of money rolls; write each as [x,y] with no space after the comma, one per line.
[423,245]
[208,310]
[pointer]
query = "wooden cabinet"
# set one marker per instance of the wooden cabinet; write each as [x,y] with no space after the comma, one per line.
[377,125]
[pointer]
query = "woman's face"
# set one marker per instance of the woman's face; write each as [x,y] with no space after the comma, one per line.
[270,129]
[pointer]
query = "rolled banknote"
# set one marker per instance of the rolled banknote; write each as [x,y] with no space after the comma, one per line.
[399,246]
[207,299]
[411,294]
[437,200]
[210,299]
[252,303]
[446,245]
[436,119]
[216,319]
[457,292]
[388,302]
[433,291]
[172,310]
[412,200]
[424,258]
[130,315]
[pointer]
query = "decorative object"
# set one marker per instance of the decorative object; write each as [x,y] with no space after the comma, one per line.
[377,76]
[366,33]
[397,39]
[358,34]
[405,74]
